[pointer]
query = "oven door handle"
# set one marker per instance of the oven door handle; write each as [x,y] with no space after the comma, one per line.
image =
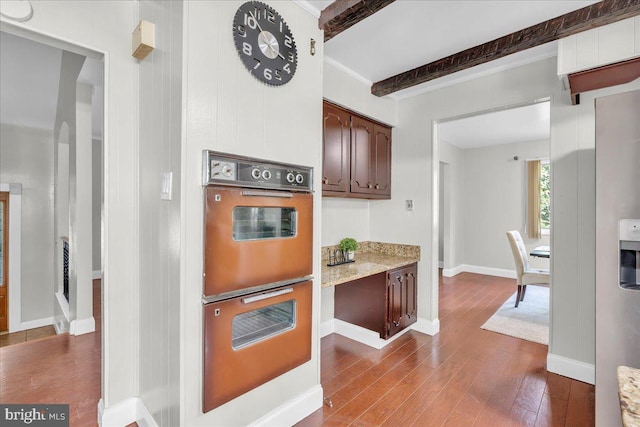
[249,300]
[280,194]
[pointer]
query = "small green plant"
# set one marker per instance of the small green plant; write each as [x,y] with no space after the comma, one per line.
[348,244]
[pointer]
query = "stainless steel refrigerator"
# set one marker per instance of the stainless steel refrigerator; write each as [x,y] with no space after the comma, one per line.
[617,247]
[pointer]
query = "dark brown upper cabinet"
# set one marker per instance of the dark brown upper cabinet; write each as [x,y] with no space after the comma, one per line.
[336,135]
[357,158]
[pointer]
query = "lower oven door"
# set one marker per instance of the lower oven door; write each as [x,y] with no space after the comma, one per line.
[252,339]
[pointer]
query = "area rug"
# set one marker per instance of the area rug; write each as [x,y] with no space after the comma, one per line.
[530,321]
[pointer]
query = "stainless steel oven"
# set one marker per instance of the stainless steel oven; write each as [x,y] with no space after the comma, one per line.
[257,289]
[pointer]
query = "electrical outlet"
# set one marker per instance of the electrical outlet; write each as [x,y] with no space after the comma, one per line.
[409,204]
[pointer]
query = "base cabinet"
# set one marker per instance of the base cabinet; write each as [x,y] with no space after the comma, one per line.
[385,303]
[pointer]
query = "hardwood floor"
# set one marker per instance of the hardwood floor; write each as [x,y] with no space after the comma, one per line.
[464,376]
[58,369]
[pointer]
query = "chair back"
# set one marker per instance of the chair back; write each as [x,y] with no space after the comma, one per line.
[519,252]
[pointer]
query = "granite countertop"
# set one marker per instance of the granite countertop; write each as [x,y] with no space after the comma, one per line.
[371,258]
[629,391]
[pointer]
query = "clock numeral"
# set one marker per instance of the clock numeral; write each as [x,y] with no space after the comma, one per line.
[242,31]
[288,41]
[255,67]
[292,57]
[267,74]
[270,16]
[280,26]
[278,74]
[246,48]
[250,21]
[286,68]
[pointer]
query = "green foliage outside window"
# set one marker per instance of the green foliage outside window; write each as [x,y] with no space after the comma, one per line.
[545,195]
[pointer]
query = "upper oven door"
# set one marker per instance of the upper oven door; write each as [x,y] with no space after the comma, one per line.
[255,237]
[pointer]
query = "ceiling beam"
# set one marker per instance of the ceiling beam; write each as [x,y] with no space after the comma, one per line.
[601,13]
[342,14]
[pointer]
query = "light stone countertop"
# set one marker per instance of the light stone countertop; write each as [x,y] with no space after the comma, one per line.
[371,258]
[629,391]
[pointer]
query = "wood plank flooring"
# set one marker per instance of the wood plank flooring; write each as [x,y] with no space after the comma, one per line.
[57,369]
[464,376]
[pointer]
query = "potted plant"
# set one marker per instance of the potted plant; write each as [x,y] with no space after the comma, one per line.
[348,245]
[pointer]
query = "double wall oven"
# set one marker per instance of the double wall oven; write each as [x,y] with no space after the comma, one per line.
[257,289]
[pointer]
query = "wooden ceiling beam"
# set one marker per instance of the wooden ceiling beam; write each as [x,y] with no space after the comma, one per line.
[595,15]
[342,14]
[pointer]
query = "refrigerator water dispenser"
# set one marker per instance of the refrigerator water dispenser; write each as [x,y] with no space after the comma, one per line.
[630,254]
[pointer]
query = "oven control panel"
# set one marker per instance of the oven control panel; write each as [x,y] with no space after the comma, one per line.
[226,169]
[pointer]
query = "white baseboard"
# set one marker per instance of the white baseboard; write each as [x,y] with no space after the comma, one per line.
[31,324]
[364,336]
[450,272]
[124,413]
[293,410]
[82,326]
[96,275]
[327,328]
[571,368]
[478,269]
[61,327]
[429,327]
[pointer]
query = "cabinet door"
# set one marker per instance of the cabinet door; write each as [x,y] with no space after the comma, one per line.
[395,302]
[336,146]
[381,164]
[410,309]
[361,155]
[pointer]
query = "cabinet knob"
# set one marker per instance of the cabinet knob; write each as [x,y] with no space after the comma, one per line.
[325,180]
[377,187]
[396,323]
[369,185]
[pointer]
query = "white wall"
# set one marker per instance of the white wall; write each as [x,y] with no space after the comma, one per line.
[227,109]
[80,218]
[573,232]
[96,211]
[25,158]
[107,27]
[494,194]
[451,222]
[160,142]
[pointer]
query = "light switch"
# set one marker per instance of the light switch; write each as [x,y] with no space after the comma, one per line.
[409,204]
[167,184]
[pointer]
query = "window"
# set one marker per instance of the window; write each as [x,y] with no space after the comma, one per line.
[538,198]
[545,196]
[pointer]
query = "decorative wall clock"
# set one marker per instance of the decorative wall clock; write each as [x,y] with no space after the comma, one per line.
[264,43]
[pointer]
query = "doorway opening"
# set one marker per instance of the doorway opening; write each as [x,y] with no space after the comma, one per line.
[480,169]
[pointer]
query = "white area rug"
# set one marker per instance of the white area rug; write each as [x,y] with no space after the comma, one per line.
[530,321]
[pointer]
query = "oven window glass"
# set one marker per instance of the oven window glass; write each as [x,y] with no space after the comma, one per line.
[259,223]
[262,323]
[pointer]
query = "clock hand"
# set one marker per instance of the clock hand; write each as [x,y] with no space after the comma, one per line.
[255,19]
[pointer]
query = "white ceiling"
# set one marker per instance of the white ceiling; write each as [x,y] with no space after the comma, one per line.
[521,124]
[410,33]
[30,79]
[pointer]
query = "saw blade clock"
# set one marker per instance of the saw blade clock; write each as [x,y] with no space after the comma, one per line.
[264,43]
